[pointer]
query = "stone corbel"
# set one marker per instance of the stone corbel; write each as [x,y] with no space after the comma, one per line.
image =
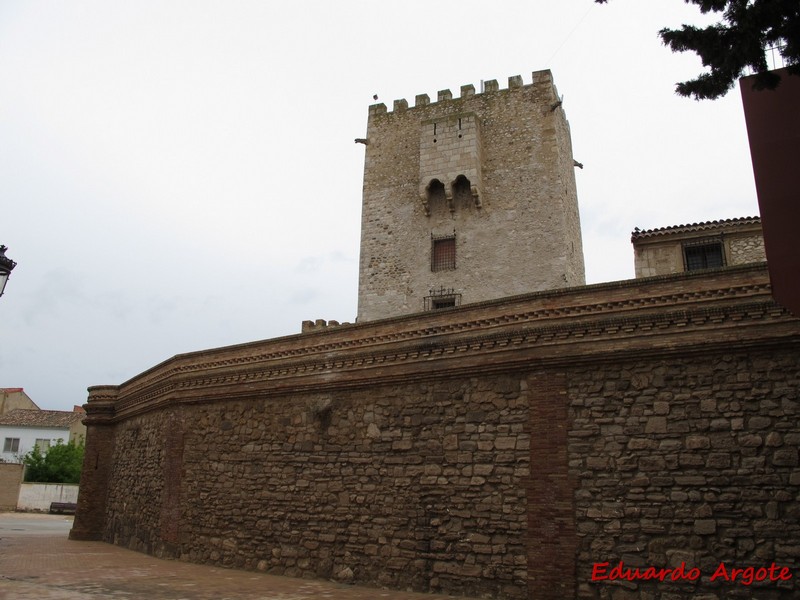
[448,194]
[476,196]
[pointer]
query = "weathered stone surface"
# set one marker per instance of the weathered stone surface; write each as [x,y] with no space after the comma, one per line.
[726,490]
[468,169]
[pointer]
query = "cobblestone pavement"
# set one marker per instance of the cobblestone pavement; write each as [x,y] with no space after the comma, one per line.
[37,561]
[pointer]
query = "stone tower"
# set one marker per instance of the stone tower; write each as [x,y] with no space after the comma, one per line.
[468,199]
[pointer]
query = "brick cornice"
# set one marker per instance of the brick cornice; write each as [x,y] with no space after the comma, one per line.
[432,346]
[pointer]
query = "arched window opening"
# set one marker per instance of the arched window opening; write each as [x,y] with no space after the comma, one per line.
[436,191]
[462,190]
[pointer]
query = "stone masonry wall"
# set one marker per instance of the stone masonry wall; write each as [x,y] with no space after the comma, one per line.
[688,460]
[746,249]
[416,486]
[135,495]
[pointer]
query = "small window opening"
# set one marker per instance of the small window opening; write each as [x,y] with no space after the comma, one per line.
[704,256]
[439,303]
[443,254]
[462,189]
[441,298]
[436,191]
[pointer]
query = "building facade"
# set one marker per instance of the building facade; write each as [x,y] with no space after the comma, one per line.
[468,199]
[13,398]
[22,430]
[707,245]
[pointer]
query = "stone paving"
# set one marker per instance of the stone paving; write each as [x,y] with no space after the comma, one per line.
[37,561]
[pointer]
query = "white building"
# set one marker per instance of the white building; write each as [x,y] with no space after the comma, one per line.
[22,429]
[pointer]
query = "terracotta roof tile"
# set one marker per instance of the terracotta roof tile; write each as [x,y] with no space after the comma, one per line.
[23,417]
[703,226]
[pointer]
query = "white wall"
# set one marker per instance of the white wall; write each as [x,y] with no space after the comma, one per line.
[27,438]
[38,496]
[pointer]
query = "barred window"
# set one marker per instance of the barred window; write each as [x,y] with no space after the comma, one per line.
[438,303]
[443,254]
[704,256]
[11,445]
[442,298]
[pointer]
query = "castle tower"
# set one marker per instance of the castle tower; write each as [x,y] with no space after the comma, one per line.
[468,199]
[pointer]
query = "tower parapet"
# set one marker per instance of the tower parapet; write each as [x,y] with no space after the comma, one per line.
[475,194]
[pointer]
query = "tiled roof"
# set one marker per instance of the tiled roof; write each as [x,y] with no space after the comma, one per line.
[23,417]
[704,226]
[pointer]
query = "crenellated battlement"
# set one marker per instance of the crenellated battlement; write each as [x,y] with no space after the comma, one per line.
[543,77]
[320,324]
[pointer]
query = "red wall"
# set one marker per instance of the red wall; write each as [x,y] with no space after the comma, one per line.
[773,127]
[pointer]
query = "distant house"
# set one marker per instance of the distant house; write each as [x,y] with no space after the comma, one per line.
[23,429]
[707,245]
[13,398]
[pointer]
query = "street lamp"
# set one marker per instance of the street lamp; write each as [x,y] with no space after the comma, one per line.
[6,266]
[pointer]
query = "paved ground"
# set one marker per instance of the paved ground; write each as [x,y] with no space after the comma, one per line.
[37,561]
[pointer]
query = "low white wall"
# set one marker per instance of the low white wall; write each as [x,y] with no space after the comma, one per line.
[38,496]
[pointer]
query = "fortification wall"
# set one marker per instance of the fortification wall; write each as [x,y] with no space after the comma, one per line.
[417,485]
[693,461]
[504,449]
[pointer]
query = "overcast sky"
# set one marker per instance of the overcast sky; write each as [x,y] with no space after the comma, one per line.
[181,175]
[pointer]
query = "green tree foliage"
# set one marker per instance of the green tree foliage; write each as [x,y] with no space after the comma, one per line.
[60,464]
[737,43]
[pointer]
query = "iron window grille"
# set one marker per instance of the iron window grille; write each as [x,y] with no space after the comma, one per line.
[442,298]
[443,252]
[705,254]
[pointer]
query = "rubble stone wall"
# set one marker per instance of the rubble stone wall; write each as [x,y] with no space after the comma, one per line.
[746,249]
[417,486]
[689,461]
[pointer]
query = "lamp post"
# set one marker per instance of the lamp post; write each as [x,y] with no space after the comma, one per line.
[6,266]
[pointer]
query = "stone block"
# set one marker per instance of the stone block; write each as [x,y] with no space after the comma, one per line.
[656,425]
[705,526]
